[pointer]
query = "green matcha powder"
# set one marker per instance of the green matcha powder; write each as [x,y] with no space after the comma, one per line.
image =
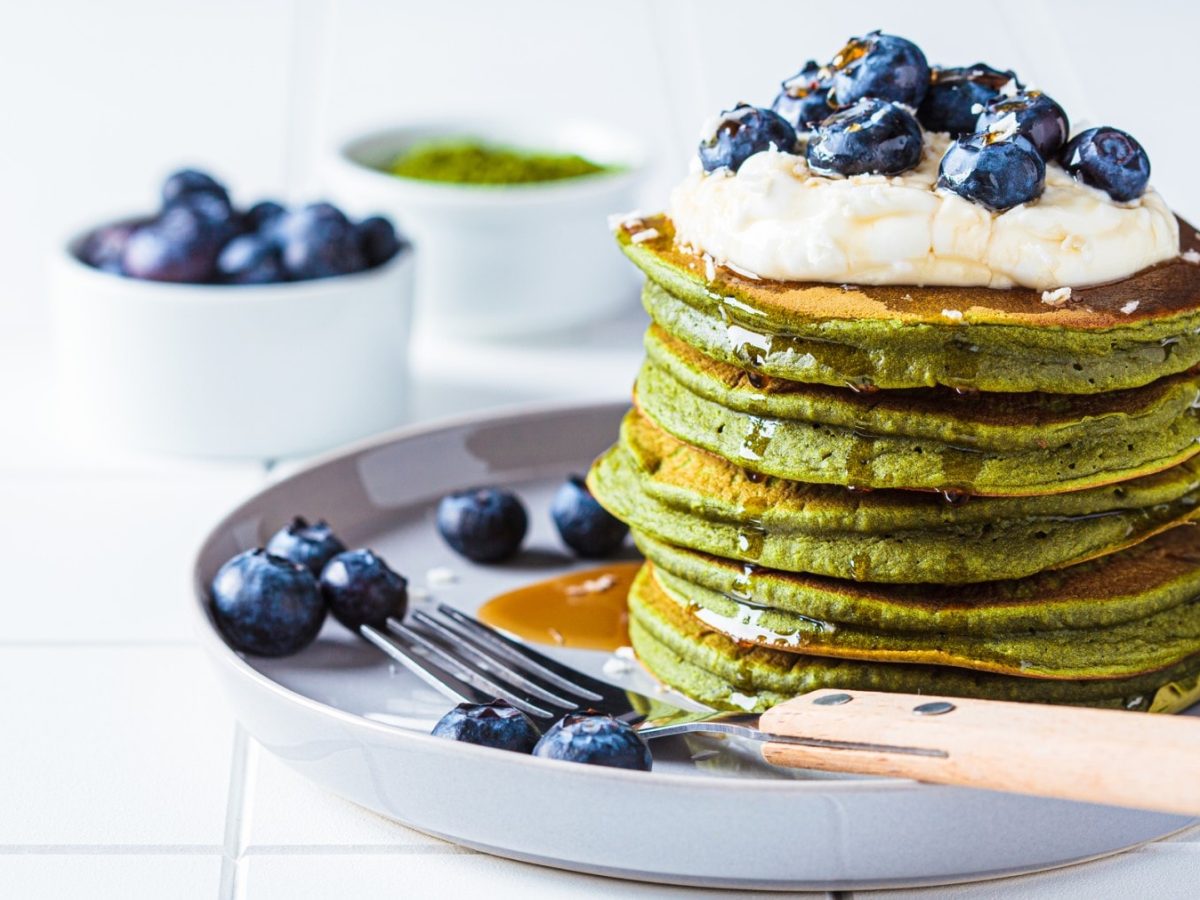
[475,162]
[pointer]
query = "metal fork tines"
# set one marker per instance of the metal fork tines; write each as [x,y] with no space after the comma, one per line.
[471,662]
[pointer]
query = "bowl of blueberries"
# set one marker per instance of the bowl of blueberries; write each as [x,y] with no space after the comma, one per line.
[210,329]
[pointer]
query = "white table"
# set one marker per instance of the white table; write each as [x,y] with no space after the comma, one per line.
[122,771]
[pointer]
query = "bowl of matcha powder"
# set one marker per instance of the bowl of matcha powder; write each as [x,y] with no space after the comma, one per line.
[509,221]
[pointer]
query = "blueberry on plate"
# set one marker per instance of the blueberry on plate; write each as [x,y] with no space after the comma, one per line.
[597,739]
[250,259]
[178,246]
[1108,159]
[739,133]
[361,589]
[485,524]
[267,605]
[310,545]
[883,66]
[262,214]
[957,96]
[998,173]
[803,100]
[317,241]
[872,136]
[1030,114]
[497,724]
[105,246]
[191,181]
[585,526]
[377,240]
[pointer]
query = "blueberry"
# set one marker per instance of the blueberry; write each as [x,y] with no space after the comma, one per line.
[377,240]
[267,605]
[1030,114]
[585,526]
[361,589]
[871,136]
[178,246]
[191,181]
[310,545]
[261,214]
[1108,159]
[741,132]
[483,524]
[597,739]
[997,172]
[883,66]
[497,724]
[957,96]
[250,259]
[803,99]
[317,241]
[105,246]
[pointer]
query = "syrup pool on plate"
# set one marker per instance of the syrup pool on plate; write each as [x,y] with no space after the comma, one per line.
[584,610]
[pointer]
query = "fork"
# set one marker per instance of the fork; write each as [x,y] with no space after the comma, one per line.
[1095,755]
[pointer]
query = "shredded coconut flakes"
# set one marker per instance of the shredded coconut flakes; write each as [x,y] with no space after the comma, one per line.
[1191,256]
[1129,307]
[954,315]
[640,237]
[745,273]
[1056,297]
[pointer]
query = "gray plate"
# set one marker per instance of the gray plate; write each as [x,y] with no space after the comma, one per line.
[711,813]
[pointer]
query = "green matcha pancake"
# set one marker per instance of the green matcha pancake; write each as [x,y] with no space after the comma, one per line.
[1108,337]
[701,662]
[1150,644]
[676,493]
[930,439]
[1156,575]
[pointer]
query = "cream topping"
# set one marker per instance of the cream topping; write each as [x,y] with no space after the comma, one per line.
[778,220]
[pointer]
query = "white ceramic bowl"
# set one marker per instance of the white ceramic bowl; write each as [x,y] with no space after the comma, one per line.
[258,371]
[506,260]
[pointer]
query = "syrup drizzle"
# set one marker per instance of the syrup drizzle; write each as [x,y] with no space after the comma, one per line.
[583,610]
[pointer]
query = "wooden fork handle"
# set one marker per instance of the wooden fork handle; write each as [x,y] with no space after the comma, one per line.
[1140,760]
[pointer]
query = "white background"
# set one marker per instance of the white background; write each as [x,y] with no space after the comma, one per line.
[121,772]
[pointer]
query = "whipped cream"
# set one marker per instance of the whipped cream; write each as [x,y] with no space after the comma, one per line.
[779,220]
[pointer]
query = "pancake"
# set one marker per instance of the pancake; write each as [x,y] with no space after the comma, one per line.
[1107,337]
[930,439]
[685,653]
[688,497]
[1149,644]
[1156,575]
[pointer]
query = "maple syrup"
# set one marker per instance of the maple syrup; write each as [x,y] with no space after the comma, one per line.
[584,610]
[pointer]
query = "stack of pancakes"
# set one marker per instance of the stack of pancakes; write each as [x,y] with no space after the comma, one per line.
[939,490]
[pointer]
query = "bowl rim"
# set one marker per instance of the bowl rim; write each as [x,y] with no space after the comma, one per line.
[634,162]
[65,258]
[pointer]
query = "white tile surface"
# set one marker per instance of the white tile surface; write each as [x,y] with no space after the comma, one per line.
[118,745]
[285,811]
[442,875]
[115,767]
[108,557]
[107,876]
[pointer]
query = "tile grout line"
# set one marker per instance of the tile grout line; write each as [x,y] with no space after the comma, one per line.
[99,643]
[311,45]
[446,849]
[109,849]
[235,815]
